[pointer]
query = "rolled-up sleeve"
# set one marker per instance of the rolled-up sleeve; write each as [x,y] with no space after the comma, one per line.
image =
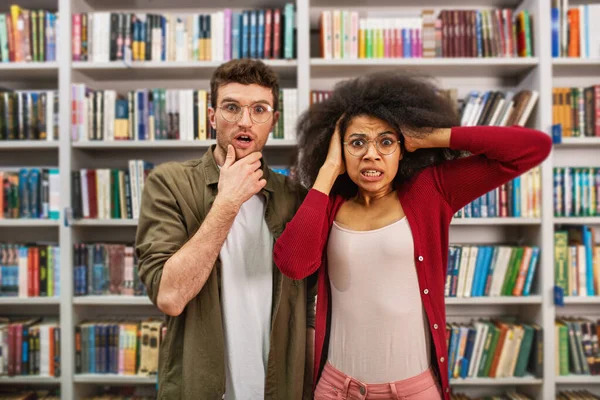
[161,230]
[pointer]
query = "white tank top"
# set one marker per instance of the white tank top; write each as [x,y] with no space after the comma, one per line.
[379,330]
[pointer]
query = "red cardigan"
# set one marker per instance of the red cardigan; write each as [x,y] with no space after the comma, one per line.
[429,199]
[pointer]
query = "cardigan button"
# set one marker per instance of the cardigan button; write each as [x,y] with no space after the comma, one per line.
[447,390]
[420,258]
[426,291]
[442,359]
[435,326]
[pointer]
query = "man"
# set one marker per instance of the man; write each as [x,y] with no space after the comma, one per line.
[236,327]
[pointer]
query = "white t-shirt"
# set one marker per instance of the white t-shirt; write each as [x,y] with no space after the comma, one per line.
[246,299]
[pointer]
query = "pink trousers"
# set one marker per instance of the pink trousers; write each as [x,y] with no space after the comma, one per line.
[335,385]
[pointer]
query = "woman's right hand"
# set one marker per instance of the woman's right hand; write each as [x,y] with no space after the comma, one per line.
[335,160]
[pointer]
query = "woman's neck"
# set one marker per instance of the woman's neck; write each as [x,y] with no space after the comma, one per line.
[368,199]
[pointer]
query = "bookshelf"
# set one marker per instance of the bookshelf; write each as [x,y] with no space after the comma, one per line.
[540,72]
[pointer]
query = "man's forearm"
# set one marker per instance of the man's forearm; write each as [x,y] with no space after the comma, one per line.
[186,272]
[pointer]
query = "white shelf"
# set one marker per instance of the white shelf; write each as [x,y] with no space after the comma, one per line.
[28,71]
[29,301]
[578,380]
[486,301]
[527,380]
[165,144]
[585,141]
[141,70]
[582,299]
[29,380]
[29,223]
[496,221]
[112,300]
[105,222]
[577,220]
[572,61]
[323,68]
[113,379]
[9,145]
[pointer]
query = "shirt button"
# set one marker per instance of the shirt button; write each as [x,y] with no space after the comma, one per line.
[426,291]
[442,359]
[435,326]
[362,390]
[420,258]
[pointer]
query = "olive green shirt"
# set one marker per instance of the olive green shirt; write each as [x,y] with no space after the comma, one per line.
[177,197]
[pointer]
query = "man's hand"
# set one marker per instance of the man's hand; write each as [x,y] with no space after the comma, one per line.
[239,180]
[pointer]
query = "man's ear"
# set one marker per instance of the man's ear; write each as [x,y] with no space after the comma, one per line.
[212,117]
[276,115]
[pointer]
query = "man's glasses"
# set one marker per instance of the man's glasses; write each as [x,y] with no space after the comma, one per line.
[385,145]
[259,113]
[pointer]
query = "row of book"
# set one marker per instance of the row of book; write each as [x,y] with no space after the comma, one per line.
[219,36]
[109,193]
[574,32]
[577,346]
[576,111]
[452,33]
[494,349]
[158,114]
[29,346]
[576,191]
[14,392]
[497,108]
[29,115]
[30,193]
[123,347]
[28,35]
[29,270]
[520,197]
[576,395]
[106,269]
[475,271]
[576,261]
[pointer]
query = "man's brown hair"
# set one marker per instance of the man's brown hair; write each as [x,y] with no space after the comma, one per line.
[247,72]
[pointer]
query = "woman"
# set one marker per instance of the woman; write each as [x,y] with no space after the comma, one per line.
[386,180]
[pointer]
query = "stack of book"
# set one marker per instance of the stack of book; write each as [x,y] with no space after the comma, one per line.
[119,347]
[574,32]
[577,346]
[452,33]
[30,193]
[576,395]
[29,115]
[158,114]
[219,36]
[106,269]
[576,261]
[494,349]
[475,271]
[29,346]
[575,112]
[576,191]
[29,270]
[109,193]
[505,396]
[28,35]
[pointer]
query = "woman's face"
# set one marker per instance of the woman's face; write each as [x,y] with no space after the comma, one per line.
[372,154]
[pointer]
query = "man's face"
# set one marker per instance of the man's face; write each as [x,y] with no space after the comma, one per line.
[242,130]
